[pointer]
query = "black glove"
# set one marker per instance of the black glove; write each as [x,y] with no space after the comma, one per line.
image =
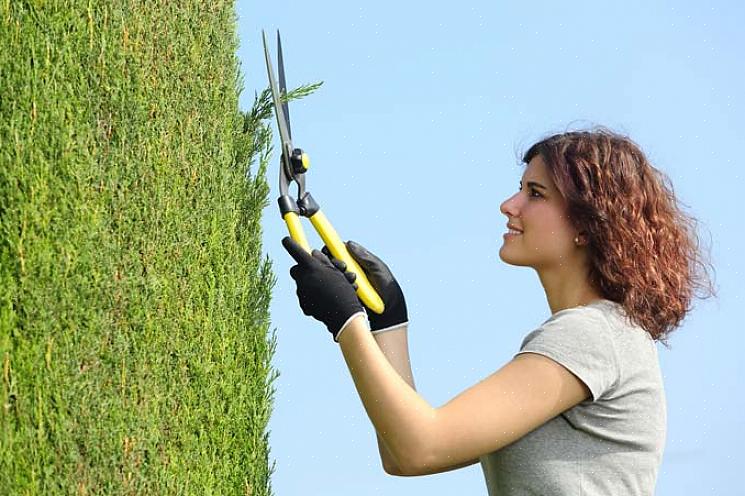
[381,279]
[323,292]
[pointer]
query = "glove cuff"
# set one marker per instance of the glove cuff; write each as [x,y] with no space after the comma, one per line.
[344,326]
[391,328]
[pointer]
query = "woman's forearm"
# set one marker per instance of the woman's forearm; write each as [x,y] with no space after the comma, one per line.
[395,346]
[400,415]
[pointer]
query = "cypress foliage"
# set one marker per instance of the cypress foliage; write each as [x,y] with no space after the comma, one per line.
[134,347]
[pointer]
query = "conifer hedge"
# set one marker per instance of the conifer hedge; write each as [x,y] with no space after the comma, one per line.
[134,346]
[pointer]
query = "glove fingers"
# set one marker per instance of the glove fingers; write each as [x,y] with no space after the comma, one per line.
[363,256]
[378,272]
[339,264]
[342,266]
[322,258]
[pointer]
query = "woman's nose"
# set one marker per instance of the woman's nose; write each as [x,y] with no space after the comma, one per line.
[509,206]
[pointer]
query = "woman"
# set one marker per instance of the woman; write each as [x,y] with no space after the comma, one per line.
[580,409]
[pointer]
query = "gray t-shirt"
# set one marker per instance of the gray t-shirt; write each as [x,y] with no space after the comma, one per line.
[611,443]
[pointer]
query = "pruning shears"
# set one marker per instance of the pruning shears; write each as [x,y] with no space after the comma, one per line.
[294,163]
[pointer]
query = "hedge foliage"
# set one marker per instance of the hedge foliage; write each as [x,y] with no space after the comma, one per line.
[134,346]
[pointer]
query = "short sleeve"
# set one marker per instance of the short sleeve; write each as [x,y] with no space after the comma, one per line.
[580,340]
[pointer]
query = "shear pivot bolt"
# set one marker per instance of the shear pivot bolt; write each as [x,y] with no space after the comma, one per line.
[300,161]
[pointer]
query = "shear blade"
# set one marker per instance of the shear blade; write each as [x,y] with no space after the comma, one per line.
[283,85]
[278,108]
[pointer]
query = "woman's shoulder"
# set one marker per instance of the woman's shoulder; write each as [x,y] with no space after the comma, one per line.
[592,317]
[621,326]
[601,322]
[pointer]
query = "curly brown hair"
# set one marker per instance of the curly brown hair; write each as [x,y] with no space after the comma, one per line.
[643,250]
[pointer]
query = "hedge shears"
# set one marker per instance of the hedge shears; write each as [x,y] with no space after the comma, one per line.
[294,163]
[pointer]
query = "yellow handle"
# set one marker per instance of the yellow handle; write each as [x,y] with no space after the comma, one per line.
[296,230]
[338,249]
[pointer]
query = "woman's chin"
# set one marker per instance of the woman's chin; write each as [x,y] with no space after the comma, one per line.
[506,257]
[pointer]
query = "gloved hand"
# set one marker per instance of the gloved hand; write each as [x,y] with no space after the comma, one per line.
[395,315]
[323,292]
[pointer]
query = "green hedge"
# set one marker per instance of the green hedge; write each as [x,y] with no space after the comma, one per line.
[134,346]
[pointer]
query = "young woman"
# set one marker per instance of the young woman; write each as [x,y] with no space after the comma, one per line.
[580,409]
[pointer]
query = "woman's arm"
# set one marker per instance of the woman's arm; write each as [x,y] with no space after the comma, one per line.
[395,346]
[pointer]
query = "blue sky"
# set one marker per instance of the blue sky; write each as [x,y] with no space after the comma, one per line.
[414,139]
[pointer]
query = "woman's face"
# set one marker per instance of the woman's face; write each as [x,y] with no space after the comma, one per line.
[539,211]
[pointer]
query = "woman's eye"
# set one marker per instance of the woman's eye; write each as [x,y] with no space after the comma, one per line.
[538,195]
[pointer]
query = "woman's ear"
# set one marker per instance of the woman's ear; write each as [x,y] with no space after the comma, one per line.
[581,239]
